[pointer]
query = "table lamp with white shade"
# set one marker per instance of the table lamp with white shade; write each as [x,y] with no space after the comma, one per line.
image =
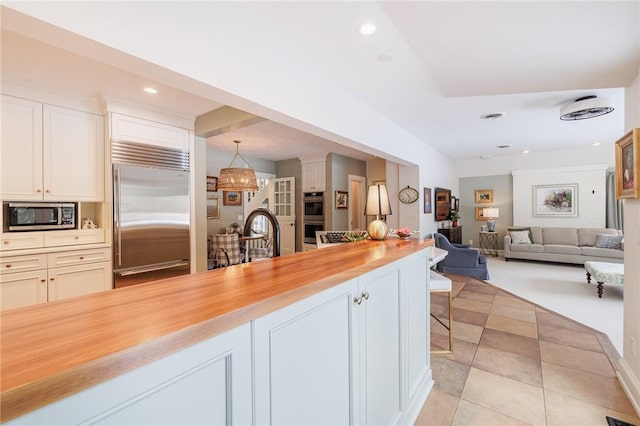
[377,205]
[491,213]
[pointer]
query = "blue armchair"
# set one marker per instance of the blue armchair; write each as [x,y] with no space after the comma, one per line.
[461,259]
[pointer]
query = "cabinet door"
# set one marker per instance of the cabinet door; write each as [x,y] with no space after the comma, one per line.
[71,281]
[23,289]
[304,361]
[380,344]
[314,177]
[20,150]
[73,155]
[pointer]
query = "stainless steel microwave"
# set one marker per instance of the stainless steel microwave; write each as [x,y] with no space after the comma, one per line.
[27,216]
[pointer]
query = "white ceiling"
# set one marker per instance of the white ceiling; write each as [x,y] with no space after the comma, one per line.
[451,63]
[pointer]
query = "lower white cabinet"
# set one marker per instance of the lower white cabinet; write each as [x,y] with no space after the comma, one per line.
[354,354]
[208,383]
[30,279]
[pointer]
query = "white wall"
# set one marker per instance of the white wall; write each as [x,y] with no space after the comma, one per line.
[591,181]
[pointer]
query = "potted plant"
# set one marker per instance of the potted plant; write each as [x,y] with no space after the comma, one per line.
[454,216]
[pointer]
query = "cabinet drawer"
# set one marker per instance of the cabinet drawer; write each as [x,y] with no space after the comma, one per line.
[78,257]
[25,263]
[22,240]
[73,237]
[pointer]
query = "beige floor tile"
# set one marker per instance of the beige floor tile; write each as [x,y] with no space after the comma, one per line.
[555,320]
[467,332]
[566,411]
[471,305]
[514,302]
[469,317]
[514,312]
[469,414]
[507,364]
[511,343]
[577,339]
[449,376]
[506,396]
[438,410]
[580,359]
[472,295]
[521,328]
[588,387]
[463,352]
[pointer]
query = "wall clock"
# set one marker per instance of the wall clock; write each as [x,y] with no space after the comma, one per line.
[408,195]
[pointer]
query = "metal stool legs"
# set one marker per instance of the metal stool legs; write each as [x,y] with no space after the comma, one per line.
[440,284]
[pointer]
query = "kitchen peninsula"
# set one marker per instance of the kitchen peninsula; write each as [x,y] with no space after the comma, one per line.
[333,336]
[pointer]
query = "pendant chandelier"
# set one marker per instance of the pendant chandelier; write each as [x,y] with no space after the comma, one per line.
[237,178]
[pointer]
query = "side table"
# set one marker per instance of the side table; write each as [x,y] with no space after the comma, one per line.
[489,243]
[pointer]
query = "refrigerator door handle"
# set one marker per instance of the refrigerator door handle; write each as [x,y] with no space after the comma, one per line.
[116,216]
[153,268]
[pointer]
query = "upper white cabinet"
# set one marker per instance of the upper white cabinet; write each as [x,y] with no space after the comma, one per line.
[314,176]
[50,153]
[132,129]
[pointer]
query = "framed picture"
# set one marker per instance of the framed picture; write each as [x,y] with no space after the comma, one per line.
[427,200]
[479,215]
[213,207]
[555,200]
[231,198]
[342,199]
[212,183]
[455,203]
[484,196]
[628,165]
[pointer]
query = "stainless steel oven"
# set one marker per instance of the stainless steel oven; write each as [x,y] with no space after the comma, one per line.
[23,216]
[313,206]
[310,229]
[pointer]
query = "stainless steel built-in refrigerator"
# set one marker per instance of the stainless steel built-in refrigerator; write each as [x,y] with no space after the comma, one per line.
[151,216]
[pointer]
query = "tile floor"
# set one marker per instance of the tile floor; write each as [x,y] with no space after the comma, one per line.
[515,363]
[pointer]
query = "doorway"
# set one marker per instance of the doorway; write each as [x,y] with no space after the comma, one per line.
[357,194]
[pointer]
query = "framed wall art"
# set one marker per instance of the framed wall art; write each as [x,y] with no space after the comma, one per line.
[484,196]
[213,207]
[555,200]
[342,199]
[212,183]
[427,200]
[231,198]
[479,215]
[628,165]
[443,203]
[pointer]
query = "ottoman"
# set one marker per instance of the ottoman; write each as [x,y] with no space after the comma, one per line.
[604,272]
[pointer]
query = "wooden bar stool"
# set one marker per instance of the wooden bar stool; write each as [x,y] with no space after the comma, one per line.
[440,284]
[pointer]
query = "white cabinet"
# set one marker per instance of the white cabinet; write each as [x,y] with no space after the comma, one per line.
[132,129]
[207,383]
[30,279]
[305,360]
[314,176]
[38,239]
[354,354]
[50,153]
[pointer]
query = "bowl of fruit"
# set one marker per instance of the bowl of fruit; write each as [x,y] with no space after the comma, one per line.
[404,233]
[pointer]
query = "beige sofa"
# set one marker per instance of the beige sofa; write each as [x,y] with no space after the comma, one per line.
[566,245]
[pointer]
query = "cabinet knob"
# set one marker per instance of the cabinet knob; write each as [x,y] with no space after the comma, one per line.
[5,242]
[38,190]
[81,257]
[52,279]
[365,295]
[43,280]
[76,237]
[358,300]
[47,191]
[8,265]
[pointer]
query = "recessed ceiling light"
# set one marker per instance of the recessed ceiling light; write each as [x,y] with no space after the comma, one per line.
[508,145]
[596,144]
[493,115]
[525,151]
[150,90]
[367,29]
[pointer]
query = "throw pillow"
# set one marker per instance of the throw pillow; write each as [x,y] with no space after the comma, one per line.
[521,228]
[609,241]
[520,237]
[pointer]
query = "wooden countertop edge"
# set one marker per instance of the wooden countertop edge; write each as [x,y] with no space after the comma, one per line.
[20,400]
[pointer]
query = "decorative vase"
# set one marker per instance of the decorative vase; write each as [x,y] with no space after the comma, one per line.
[454,223]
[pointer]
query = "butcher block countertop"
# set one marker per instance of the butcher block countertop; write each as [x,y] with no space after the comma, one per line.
[52,350]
